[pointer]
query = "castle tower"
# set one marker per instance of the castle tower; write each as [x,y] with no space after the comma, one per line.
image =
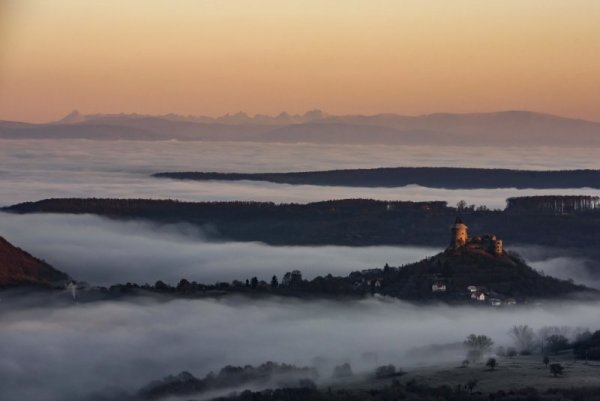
[459,234]
[498,247]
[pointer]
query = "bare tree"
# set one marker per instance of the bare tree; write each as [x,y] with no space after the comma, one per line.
[523,336]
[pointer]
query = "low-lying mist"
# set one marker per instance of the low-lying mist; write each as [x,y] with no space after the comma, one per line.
[63,354]
[105,252]
[33,170]
[563,264]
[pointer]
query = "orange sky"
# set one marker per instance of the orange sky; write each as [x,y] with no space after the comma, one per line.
[265,56]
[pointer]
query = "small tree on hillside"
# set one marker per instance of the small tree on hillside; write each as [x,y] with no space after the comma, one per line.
[491,363]
[274,282]
[556,369]
[546,360]
[471,384]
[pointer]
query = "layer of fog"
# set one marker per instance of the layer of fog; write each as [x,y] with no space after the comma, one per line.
[562,263]
[105,252]
[32,170]
[65,353]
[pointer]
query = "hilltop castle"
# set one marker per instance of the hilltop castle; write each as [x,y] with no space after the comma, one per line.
[460,238]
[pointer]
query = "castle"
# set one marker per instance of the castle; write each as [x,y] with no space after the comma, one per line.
[460,238]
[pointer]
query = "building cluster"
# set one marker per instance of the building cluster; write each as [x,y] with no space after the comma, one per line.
[477,293]
[487,243]
[461,239]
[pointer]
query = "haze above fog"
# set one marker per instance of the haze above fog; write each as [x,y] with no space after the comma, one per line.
[33,170]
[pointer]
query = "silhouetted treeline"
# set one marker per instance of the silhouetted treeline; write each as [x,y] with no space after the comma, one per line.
[415,391]
[433,177]
[269,373]
[355,222]
[553,204]
[500,276]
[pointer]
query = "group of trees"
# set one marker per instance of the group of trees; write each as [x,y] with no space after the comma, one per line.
[553,204]
[547,339]
[356,222]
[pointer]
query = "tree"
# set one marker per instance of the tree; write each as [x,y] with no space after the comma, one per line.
[274,282]
[556,343]
[161,286]
[385,371]
[461,205]
[491,363]
[471,384]
[546,360]
[523,336]
[511,352]
[254,282]
[465,363]
[478,345]
[344,370]
[546,332]
[556,369]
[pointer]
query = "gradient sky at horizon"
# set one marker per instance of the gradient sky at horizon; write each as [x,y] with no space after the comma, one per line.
[266,56]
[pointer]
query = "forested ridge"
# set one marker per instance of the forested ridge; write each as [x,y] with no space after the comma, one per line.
[433,177]
[356,222]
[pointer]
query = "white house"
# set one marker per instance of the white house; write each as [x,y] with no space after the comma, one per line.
[479,296]
[438,286]
[495,302]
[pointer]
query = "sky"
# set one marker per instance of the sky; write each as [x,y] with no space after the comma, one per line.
[212,57]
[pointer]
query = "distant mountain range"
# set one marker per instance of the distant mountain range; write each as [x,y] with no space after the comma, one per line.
[507,128]
[17,267]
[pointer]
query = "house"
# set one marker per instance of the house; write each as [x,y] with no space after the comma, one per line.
[479,296]
[472,288]
[510,301]
[495,302]
[438,286]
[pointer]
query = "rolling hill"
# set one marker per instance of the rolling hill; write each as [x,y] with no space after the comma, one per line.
[17,268]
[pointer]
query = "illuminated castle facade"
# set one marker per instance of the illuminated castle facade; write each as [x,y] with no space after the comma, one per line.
[460,238]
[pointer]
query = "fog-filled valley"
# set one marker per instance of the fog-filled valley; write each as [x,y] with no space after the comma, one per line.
[67,353]
[299,200]
[93,350]
[104,252]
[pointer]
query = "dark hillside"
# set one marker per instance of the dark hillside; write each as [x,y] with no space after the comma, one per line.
[17,267]
[433,177]
[357,222]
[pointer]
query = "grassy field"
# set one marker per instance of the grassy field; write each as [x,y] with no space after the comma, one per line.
[511,373]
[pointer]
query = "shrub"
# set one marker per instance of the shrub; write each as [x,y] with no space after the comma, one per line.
[556,369]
